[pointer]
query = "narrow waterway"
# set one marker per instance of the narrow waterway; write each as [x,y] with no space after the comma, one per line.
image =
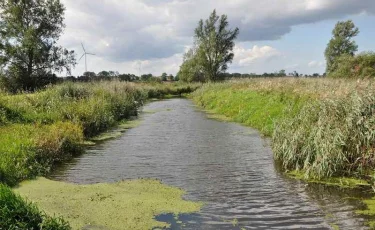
[227,166]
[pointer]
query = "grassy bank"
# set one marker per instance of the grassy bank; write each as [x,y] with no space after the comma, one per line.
[322,128]
[40,129]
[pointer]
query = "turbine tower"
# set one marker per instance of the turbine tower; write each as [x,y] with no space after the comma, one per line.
[85,54]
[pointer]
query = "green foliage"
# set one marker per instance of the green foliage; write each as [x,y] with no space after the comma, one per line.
[215,44]
[358,66]
[28,43]
[212,50]
[16,213]
[164,77]
[341,43]
[191,70]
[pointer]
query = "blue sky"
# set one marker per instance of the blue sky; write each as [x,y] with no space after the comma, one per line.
[144,36]
[306,44]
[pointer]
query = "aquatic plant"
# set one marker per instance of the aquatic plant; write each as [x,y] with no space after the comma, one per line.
[129,204]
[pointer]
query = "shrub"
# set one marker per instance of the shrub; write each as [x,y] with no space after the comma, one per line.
[359,66]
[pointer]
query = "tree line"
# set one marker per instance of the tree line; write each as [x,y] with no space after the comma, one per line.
[114,75]
[31,58]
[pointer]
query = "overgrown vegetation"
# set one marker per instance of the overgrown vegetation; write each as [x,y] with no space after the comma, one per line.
[315,130]
[16,213]
[37,130]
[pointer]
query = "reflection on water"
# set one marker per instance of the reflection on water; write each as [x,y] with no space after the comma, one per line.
[225,165]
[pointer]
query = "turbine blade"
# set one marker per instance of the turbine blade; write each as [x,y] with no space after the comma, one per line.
[81,57]
[90,54]
[83,47]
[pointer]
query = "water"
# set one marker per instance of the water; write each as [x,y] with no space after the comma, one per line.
[225,165]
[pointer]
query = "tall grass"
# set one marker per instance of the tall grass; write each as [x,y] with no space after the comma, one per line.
[330,138]
[320,127]
[16,213]
[37,130]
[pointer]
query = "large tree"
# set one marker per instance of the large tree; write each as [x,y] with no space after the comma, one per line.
[212,51]
[342,43]
[216,43]
[29,31]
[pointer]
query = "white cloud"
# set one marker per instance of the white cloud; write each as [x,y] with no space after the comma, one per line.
[246,57]
[315,64]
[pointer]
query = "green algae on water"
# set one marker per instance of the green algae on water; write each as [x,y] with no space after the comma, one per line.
[117,131]
[369,212]
[129,204]
[128,124]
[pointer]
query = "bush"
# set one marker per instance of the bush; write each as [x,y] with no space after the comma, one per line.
[359,66]
[16,213]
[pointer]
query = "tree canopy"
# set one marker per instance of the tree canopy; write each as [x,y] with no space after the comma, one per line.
[212,50]
[342,43]
[29,31]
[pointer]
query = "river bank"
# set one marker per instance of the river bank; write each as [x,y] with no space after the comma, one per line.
[42,129]
[227,166]
[322,128]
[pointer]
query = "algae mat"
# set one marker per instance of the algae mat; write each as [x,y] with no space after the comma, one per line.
[124,205]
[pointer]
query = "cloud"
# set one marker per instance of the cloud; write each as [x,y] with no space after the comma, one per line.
[122,31]
[246,57]
[315,64]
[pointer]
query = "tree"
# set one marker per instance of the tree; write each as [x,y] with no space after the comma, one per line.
[146,77]
[191,69]
[212,50]
[104,74]
[177,78]
[282,73]
[342,43]
[215,44]
[171,78]
[29,31]
[89,74]
[164,77]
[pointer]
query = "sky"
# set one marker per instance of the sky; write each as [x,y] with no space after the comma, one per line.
[151,36]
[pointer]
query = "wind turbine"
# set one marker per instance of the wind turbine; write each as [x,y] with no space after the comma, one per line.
[85,54]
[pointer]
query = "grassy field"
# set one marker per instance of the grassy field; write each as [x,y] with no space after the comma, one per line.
[321,128]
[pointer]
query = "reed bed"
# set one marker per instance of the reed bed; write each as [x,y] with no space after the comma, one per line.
[321,128]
